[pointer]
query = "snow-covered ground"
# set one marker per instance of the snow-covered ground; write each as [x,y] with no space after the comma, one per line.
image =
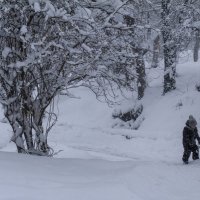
[98,162]
[34,178]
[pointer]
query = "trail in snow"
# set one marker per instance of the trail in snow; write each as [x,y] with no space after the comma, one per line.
[39,178]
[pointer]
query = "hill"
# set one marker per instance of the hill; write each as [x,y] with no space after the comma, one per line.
[98,162]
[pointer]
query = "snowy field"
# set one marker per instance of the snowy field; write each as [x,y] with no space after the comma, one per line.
[97,162]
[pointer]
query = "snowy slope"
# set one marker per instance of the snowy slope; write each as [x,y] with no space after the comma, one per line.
[86,130]
[36,178]
[98,162]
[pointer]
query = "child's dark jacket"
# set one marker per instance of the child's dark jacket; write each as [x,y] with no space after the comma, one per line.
[190,136]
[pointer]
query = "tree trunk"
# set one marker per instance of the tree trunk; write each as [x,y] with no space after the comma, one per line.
[28,137]
[141,76]
[156,50]
[169,49]
[196,46]
[17,138]
[21,122]
[169,68]
[140,71]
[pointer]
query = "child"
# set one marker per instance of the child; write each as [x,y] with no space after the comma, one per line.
[190,135]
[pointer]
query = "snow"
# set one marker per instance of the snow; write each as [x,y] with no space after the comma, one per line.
[84,13]
[5,52]
[37,7]
[86,48]
[98,162]
[23,30]
[45,178]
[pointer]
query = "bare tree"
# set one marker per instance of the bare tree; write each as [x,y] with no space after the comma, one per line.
[47,47]
[124,25]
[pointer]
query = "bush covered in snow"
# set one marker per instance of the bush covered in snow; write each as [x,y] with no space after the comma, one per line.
[131,118]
